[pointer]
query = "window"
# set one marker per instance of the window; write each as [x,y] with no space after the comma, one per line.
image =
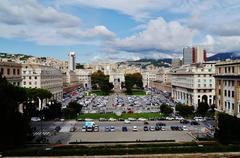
[30,83]
[24,72]
[35,82]
[225,69]
[204,75]
[225,105]
[35,77]
[204,80]
[199,100]
[219,92]
[233,94]
[204,90]
[2,71]
[205,85]
[229,70]
[30,77]
[233,69]
[198,96]
[232,106]
[210,80]
[229,93]
[225,93]
[24,83]
[14,71]
[233,83]
[199,90]
[199,80]
[18,71]
[199,85]
[210,85]
[8,71]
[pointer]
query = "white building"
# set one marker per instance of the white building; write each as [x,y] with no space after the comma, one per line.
[192,84]
[83,77]
[228,87]
[147,77]
[45,77]
[71,61]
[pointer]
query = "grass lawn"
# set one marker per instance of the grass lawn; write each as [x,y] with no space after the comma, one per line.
[98,93]
[138,92]
[125,116]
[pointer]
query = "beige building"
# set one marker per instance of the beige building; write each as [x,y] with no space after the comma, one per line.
[228,87]
[195,83]
[12,72]
[45,77]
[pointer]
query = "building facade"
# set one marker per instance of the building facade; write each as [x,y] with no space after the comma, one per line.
[45,77]
[71,61]
[192,84]
[227,83]
[12,72]
[192,55]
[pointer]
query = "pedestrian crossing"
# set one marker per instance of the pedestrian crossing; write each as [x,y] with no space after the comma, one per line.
[38,133]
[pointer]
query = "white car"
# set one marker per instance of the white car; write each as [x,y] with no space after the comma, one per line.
[35,119]
[185,128]
[112,119]
[142,119]
[135,129]
[84,129]
[179,118]
[126,121]
[131,119]
[169,118]
[198,118]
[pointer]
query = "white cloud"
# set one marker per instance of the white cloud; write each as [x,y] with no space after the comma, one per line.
[160,36]
[45,25]
[138,9]
[218,44]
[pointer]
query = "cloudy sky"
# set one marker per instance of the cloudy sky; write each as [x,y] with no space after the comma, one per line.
[116,30]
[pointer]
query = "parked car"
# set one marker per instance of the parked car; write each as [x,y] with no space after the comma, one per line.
[112,128]
[198,118]
[135,129]
[107,129]
[57,129]
[160,124]
[184,121]
[112,119]
[194,123]
[124,129]
[158,128]
[126,121]
[84,129]
[145,128]
[169,118]
[151,128]
[89,129]
[184,128]
[96,128]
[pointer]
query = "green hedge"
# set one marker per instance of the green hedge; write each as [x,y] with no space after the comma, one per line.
[120,150]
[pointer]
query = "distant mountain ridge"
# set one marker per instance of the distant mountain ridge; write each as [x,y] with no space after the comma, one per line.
[215,57]
[224,56]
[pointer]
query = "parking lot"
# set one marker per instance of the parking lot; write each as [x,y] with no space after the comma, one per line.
[65,135]
[120,103]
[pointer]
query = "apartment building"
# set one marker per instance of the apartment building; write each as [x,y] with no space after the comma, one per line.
[12,72]
[227,84]
[194,83]
[45,77]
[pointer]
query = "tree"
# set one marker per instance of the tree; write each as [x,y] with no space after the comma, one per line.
[166,109]
[132,80]
[16,129]
[202,108]
[72,109]
[184,110]
[52,111]
[101,81]
[228,129]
